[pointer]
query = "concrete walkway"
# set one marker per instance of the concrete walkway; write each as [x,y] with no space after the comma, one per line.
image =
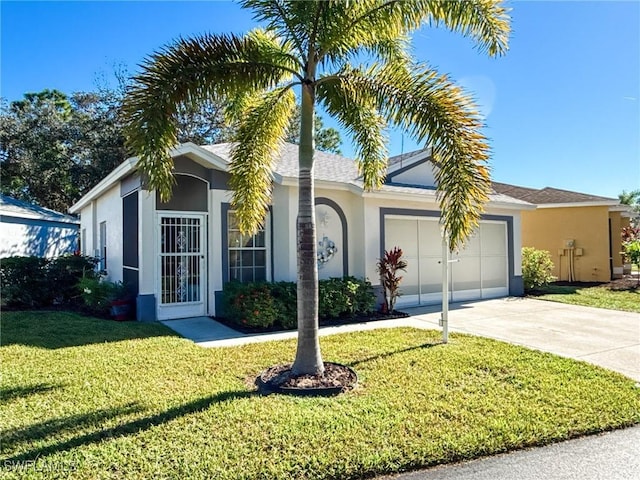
[607,338]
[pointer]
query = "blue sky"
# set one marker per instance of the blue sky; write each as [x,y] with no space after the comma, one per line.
[562,107]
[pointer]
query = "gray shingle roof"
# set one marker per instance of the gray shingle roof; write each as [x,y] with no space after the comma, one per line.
[336,168]
[548,195]
[404,156]
[327,166]
[13,207]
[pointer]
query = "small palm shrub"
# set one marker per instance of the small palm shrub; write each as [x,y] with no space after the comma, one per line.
[536,268]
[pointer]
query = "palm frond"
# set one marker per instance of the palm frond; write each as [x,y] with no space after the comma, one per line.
[191,70]
[258,141]
[432,109]
[365,22]
[359,116]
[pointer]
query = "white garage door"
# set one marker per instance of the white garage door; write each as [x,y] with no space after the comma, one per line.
[481,269]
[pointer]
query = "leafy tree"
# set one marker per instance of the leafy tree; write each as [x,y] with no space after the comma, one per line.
[326,139]
[310,46]
[632,199]
[53,147]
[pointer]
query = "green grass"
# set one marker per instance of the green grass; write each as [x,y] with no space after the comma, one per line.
[600,297]
[142,403]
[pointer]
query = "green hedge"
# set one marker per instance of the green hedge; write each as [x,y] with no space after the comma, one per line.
[265,305]
[34,282]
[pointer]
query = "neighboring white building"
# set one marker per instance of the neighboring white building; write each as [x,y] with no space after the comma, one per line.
[178,255]
[30,230]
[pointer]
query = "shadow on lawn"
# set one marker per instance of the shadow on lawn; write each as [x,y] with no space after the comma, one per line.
[59,329]
[53,428]
[136,426]
[8,394]
[390,354]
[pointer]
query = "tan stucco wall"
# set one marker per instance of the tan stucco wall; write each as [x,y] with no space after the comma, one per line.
[550,228]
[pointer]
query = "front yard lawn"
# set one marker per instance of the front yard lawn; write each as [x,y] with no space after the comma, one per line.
[588,295]
[143,403]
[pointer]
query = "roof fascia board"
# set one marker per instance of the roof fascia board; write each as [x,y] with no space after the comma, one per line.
[43,217]
[577,204]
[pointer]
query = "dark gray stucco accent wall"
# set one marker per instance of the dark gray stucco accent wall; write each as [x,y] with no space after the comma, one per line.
[185,165]
[345,236]
[190,194]
[130,184]
[219,180]
[516,285]
[146,308]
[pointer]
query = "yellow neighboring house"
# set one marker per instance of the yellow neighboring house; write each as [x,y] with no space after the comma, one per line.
[581,231]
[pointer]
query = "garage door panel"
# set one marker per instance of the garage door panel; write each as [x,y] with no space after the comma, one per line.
[403,234]
[430,238]
[494,272]
[471,247]
[430,275]
[493,239]
[465,274]
[480,272]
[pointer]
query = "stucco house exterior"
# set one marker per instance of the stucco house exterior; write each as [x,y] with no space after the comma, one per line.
[581,231]
[178,255]
[31,230]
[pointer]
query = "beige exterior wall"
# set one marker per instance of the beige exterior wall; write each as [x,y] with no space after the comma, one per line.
[550,229]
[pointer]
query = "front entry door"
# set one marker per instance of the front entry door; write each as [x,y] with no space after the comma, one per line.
[181,283]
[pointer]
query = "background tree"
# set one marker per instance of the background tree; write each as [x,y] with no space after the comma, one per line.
[326,139]
[46,140]
[309,46]
[632,199]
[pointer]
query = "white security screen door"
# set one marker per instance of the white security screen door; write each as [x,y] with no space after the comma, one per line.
[181,266]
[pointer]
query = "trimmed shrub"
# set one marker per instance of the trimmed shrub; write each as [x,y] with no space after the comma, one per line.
[34,282]
[23,281]
[250,304]
[262,305]
[536,268]
[285,296]
[64,274]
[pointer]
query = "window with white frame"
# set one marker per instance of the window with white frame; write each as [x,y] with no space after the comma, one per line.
[247,253]
[83,241]
[103,246]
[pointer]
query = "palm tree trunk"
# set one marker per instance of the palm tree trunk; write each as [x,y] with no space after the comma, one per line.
[308,358]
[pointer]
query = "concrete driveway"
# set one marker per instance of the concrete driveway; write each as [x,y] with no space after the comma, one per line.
[607,338]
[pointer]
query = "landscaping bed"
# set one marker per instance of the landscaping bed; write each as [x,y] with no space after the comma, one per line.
[89,398]
[324,322]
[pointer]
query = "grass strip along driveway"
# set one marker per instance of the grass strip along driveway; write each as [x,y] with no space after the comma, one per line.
[592,296]
[134,401]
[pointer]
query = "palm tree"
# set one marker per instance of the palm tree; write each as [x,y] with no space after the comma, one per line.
[310,46]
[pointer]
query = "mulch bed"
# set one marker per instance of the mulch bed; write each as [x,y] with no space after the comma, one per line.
[324,322]
[336,379]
